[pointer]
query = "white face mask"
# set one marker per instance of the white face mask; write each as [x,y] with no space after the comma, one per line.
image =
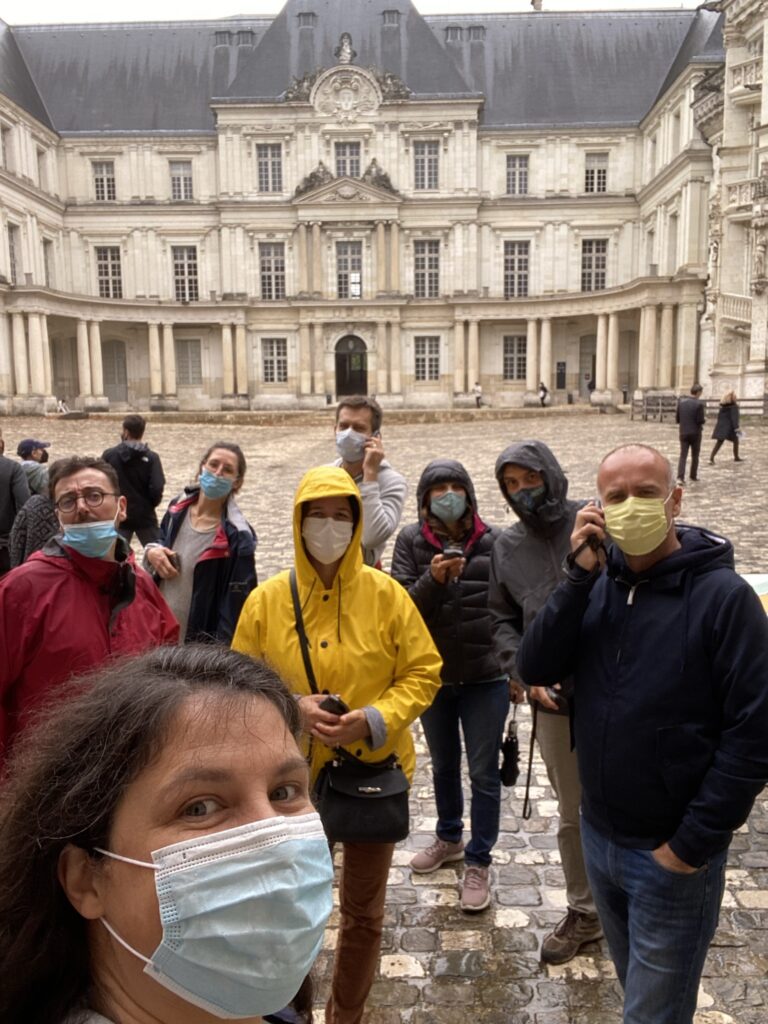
[326,539]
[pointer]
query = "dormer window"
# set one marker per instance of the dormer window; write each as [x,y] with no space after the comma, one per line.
[245,37]
[222,38]
[307,20]
[476,33]
[453,33]
[391,18]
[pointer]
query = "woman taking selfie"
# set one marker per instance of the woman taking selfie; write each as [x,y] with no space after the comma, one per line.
[367,644]
[205,560]
[160,860]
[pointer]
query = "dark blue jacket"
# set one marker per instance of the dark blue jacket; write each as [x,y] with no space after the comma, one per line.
[224,576]
[671,694]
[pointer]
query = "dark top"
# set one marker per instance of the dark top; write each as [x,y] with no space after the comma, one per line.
[690,415]
[14,492]
[142,480]
[727,422]
[33,527]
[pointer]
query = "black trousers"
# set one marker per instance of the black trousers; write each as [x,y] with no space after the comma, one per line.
[692,442]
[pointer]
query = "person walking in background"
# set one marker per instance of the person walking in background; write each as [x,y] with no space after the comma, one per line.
[367,644]
[14,494]
[34,456]
[205,560]
[727,426]
[361,453]
[142,480]
[477,391]
[543,393]
[526,566]
[444,562]
[690,415]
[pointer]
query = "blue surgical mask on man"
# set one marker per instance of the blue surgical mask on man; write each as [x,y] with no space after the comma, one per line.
[350,445]
[243,914]
[448,507]
[92,540]
[214,486]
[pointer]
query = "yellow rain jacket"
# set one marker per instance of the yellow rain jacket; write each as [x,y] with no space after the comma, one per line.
[367,640]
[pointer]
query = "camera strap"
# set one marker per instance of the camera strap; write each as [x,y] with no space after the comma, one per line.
[302,633]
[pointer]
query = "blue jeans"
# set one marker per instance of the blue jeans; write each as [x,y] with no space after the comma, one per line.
[658,924]
[481,708]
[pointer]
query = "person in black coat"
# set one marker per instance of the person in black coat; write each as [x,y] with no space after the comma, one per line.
[727,426]
[690,415]
[444,562]
[142,480]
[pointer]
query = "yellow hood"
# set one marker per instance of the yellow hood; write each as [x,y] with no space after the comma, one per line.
[327,482]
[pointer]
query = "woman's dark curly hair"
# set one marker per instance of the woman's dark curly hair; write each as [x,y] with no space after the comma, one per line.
[67,776]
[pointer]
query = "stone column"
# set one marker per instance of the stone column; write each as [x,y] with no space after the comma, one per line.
[227,363]
[545,356]
[169,363]
[47,366]
[83,363]
[155,364]
[381,257]
[305,372]
[241,362]
[394,255]
[97,371]
[36,364]
[473,354]
[395,359]
[651,342]
[303,267]
[601,358]
[318,287]
[666,346]
[20,360]
[6,377]
[642,360]
[612,368]
[382,375]
[459,359]
[531,364]
[318,367]
[686,361]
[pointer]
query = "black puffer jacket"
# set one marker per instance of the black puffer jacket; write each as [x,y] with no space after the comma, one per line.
[456,613]
[142,480]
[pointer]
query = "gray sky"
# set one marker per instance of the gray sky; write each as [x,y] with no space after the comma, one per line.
[33,12]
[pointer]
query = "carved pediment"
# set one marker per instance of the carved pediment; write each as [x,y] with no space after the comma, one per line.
[344,190]
[347,94]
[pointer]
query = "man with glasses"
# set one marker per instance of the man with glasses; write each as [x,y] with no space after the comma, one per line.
[79,601]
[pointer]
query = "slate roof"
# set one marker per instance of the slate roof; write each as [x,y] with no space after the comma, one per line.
[537,70]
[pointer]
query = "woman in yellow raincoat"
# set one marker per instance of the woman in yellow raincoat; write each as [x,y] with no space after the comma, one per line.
[368,644]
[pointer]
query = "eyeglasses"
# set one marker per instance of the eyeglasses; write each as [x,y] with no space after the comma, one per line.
[92,496]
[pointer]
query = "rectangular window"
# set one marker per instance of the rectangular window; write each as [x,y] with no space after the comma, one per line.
[272,269]
[181,180]
[514,367]
[6,155]
[426,358]
[42,166]
[516,260]
[14,253]
[269,162]
[426,269]
[189,365]
[349,270]
[185,283]
[594,259]
[108,272]
[274,360]
[426,161]
[104,180]
[391,18]
[517,175]
[48,269]
[347,159]
[596,172]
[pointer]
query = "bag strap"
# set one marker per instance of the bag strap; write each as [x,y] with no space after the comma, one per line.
[527,808]
[299,624]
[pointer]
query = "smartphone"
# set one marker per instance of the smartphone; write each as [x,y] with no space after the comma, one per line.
[559,698]
[175,561]
[334,704]
[453,553]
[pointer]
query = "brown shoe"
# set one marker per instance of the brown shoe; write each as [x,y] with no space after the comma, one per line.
[568,936]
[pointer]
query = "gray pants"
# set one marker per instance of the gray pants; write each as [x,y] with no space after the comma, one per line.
[554,737]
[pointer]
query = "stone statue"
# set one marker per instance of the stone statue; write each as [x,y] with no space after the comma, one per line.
[374,175]
[344,53]
[320,176]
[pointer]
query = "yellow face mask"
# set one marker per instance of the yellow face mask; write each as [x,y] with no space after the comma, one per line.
[637,525]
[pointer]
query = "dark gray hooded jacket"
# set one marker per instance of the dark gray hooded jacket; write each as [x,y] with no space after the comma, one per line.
[527,559]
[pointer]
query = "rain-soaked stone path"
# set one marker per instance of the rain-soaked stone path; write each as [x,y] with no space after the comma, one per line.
[439,965]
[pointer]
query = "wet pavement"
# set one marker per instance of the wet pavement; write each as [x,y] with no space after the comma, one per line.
[439,965]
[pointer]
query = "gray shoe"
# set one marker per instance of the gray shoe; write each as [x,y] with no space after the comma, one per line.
[434,856]
[575,930]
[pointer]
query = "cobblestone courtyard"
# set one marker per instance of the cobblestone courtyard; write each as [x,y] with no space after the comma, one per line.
[440,965]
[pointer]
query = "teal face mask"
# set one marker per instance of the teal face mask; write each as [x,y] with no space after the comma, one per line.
[214,486]
[93,540]
[449,507]
[243,914]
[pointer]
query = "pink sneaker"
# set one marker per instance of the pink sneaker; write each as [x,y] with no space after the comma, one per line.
[475,894]
[434,856]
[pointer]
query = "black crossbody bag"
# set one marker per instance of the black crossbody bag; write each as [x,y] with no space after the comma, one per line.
[358,801]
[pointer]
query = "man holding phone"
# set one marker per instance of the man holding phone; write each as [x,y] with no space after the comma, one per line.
[361,454]
[525,568]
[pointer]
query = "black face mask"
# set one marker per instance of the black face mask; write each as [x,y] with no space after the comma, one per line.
[44,456]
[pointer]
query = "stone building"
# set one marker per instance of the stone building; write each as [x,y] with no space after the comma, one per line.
[271,212]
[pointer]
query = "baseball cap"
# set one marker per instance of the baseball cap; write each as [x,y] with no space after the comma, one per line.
[28,445]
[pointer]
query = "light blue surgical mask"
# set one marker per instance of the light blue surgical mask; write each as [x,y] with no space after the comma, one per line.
[93,540]
[243,914]
[214,486]
[350,445]
[449,507]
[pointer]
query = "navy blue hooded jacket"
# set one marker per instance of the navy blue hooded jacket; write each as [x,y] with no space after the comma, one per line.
[671,694]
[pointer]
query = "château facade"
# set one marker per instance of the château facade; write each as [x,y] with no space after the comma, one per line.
[273,212]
